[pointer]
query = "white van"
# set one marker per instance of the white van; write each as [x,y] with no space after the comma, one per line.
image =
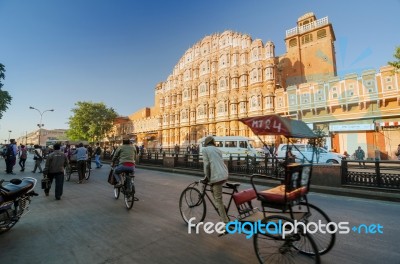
[307,150]
[233,145]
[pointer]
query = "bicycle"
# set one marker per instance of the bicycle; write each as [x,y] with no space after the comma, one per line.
[284,209]
[192,204]
[127,188]
[192,201]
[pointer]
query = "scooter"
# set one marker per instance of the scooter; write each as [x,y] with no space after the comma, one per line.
[15,198]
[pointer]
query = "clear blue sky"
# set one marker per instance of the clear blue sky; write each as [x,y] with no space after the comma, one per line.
[58,52]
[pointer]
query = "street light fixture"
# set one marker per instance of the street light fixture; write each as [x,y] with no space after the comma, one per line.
[40,125]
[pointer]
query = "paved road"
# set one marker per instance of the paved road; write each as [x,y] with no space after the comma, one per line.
[89,226]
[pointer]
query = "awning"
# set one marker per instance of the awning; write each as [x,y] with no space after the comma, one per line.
[277,125]
[390,124]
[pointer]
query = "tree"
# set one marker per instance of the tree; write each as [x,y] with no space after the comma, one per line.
[5,98]
[91,121]
[396,64]
[320,141]
[321,138]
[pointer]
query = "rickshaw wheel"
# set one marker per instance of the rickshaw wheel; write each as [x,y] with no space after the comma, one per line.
[87,173]
[324,241]
[275,247]
[67,173]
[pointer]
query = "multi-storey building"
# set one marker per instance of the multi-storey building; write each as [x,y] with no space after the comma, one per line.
[225,77]
[32,138]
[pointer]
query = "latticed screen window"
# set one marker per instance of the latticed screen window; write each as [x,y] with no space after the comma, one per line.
[305,98]
[321,33]
[292,99]
[292,43]
[306,38]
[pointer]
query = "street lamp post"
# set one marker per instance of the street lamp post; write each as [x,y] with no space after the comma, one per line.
[9,133]
[40,125]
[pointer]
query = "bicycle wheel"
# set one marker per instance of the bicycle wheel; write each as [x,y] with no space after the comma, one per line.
[117,191]
[192,205]
[67,173]
[275,247]
[324,241]
[129,193]
[87,172]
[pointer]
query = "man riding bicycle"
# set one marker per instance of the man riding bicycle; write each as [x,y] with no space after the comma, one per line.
[125,156]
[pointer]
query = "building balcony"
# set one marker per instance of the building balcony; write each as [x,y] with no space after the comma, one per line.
[308,27]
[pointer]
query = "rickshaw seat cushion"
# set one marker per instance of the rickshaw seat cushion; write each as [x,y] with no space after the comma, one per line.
[277,194]
[244,196]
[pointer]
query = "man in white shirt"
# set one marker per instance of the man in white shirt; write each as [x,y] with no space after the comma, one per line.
[216,173]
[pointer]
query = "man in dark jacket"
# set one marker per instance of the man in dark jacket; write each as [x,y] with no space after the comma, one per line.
[54,169]
[11,155]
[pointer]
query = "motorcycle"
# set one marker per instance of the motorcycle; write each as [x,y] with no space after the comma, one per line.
[15,198]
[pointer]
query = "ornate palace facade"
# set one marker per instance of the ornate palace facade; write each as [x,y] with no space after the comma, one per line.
[228,76]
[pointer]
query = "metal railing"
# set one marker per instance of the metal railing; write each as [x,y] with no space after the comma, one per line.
[373,174]
[378,174]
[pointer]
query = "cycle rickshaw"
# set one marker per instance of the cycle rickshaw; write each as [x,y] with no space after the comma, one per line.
[284,209]
[72,168]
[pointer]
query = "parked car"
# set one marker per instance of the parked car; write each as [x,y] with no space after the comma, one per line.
[233,145]
[321,154]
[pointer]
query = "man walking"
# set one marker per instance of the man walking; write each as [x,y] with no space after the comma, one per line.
[216,173]
[81,159]
[97,154]
[23,154]
[360,155]
[11,156]
[54,169]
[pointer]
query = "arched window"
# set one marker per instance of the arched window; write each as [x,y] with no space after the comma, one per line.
[306,38]
[321,33]
[292,43]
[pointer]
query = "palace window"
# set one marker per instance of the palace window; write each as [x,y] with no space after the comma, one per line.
[321,33]
[306,39]
[280,101]
[334,93]
[185,94]
[222,85]
[292,99]
[255,102]
[292,43]
[243,80]
[305,98]
[202,89]
[242,107]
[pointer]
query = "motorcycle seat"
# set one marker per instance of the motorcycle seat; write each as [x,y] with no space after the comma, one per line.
[11,191]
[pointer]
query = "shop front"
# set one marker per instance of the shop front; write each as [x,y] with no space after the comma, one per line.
[348,137]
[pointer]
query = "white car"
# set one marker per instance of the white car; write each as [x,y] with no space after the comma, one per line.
[299,150]
[233,145]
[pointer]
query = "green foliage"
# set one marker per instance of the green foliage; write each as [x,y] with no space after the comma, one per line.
[320,140]
[91,121]
[396,64]
[5,98]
